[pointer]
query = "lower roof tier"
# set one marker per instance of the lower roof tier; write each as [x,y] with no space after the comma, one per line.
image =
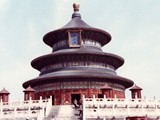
[76,75]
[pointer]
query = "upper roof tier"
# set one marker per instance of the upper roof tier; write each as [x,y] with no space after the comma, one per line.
[76,23]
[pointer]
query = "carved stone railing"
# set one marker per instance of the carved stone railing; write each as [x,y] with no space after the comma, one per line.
[25,109]
[119,108]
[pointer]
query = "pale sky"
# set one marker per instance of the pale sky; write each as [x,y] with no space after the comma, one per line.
[133,24]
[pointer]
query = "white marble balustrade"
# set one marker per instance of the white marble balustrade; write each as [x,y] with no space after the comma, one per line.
[25,109]
[120,108]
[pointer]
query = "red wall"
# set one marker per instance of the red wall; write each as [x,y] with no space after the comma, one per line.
[63,96]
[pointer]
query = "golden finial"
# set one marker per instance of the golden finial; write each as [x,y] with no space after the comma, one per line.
[76,7]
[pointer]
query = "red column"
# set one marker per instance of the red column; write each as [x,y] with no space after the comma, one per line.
[89,93]
[62,99]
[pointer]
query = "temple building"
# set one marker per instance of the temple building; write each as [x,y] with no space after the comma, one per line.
[78,81]
[77,65]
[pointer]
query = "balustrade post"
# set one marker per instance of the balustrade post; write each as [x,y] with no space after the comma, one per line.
[48,106]
[29,106]
[15,112]
[84,107]
[156,103]
[136,96]
[114,103]
[98,110]
[115,97]
[104,96]
[127,105]
[147,103]
[1,108]
[41,111]
[94,99]
[142,101]
[40,101]
[50,100]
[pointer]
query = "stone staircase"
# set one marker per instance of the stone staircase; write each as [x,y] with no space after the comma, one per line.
[63,112]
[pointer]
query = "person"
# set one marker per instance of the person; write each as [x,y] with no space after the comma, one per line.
[75,104]
[80,110]
[53,118]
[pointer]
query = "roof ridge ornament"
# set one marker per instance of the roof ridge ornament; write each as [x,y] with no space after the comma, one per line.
[76,7]
[76,10]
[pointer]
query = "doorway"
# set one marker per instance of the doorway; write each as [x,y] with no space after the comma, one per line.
[75,96]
